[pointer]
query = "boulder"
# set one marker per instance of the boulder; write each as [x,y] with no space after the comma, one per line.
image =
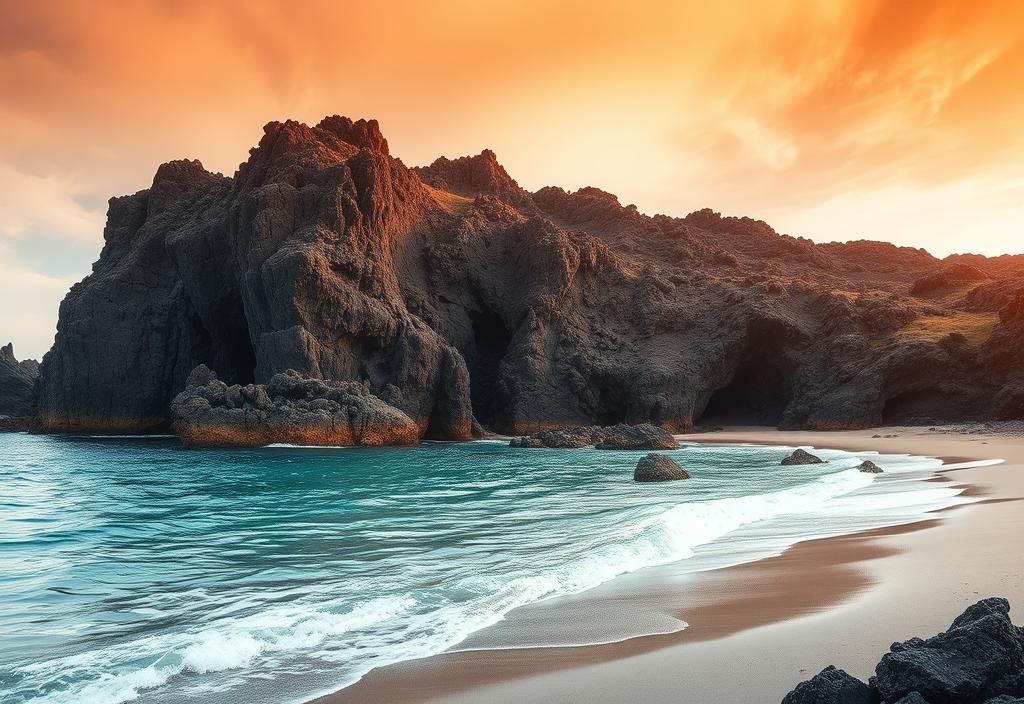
[616,437]
[869,467]
[658,468]
[831,686]
[913,698]
[580,436]
[801,456]
[979,658]
[292,409]
[636,437]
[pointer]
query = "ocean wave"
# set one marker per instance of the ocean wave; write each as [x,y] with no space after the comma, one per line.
[416,608]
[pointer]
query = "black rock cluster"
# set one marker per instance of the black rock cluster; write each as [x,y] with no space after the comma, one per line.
[979,660]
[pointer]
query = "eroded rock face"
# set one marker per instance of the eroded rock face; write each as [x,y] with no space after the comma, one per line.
[290,409]
[658,468]
[17,381]
[801,456]
[643,436]
[465,301]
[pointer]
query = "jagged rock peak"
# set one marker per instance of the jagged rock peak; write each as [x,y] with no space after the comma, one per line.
[472,176]
[183,171]
[361,133]
[7,352]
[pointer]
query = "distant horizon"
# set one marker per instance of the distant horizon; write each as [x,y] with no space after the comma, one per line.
[878,121]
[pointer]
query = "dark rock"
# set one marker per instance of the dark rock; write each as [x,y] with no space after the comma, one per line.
[303,411]
[831,686]
[801,456]
[913,698]
[658,468]
[581,436]
[980,657]
[616,437]
[466,302]
[636,437]
[17,382]
[869,467]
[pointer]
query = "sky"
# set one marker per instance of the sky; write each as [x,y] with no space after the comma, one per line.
[829,119]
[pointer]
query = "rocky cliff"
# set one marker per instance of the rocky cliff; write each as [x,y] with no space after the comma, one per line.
[461,300]
[17,382]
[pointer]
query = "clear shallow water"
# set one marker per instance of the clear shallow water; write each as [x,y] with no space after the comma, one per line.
[136,569]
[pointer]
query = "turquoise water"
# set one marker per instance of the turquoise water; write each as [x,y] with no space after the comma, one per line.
[137,569]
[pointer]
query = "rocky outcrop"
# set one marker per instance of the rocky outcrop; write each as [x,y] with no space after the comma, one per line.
[801,456]
[978,660]
[466,302]
[643,436]
[17,382]
[658,468]
[869,467]
[290,409]
[831,686]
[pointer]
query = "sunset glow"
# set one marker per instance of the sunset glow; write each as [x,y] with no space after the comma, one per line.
[832,120]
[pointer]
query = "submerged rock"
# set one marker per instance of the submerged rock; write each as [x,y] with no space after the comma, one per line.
[801,457]
[869,467]
[637,437]
[658,468]
[290,409]
[580,436]
[831,686]
[615,437]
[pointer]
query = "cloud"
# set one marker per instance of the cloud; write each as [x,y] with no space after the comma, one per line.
[831,119]
[44,205]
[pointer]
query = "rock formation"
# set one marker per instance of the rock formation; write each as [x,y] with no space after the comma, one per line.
[643,436]
[801,456]
[290,409]
[869,467]
[978,660]
[464,301]
[658,468]
[17,382]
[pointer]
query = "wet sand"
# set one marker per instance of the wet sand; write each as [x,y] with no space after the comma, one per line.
[757,629]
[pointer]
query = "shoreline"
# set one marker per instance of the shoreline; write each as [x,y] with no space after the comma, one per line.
[718,605]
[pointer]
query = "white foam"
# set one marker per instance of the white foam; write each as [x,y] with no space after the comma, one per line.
[388,629]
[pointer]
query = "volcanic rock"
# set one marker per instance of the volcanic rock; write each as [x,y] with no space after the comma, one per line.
[466,302]
[831,686]
[981,656]
[616,437]
[290,409]
[636,437]
[17,381]
[869,467]
[581,436]
[801,456]
[978,660]
[658,468]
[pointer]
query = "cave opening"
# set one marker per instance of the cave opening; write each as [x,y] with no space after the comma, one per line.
[227,350]
[611,405]
[490,343]
[924,407]
[757,394]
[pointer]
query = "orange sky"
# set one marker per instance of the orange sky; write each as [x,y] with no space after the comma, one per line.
[832,119]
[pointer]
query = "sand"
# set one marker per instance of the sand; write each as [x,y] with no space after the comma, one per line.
[757,629]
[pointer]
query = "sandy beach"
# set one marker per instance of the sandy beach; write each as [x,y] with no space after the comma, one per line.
[757,629]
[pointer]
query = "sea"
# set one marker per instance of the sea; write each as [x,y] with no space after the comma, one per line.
[132,568]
